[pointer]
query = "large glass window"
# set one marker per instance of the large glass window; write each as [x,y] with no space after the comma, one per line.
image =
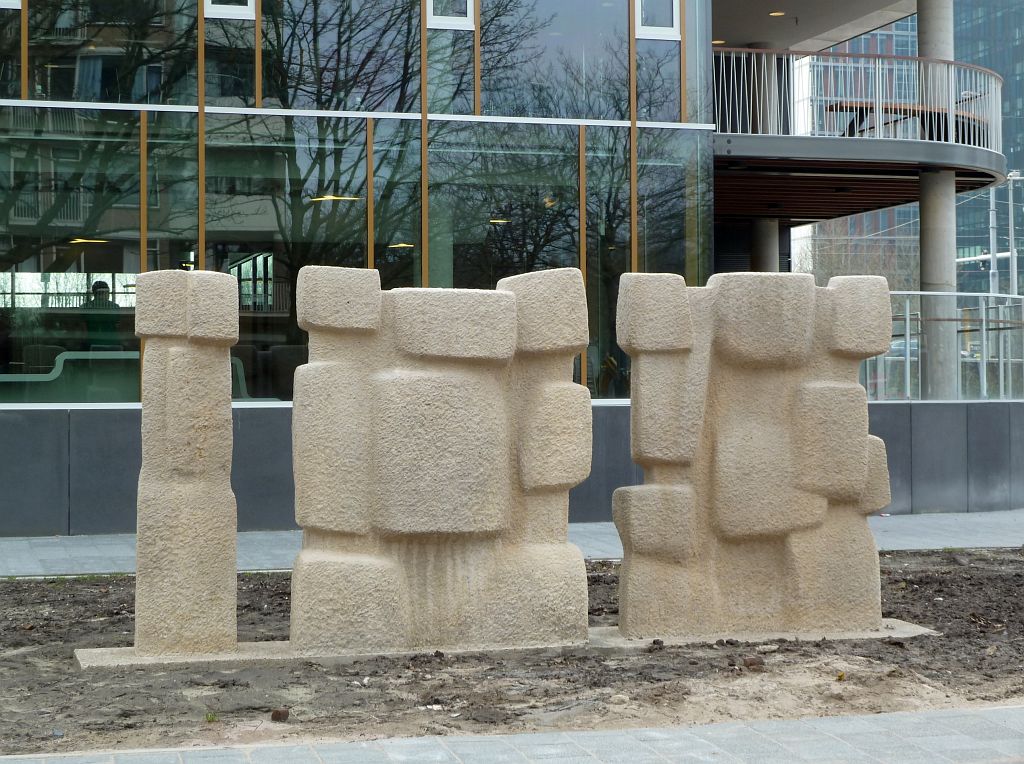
[450,72]
[565,59]
[230,62]
[699,85]
[69,255]
[396,185]
[608,256]
[281,193]
[360,55]
[504,199]
[674,203]
[658,70]
[121,51]
[172,190]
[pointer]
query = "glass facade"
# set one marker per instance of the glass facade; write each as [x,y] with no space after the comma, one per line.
[444,143]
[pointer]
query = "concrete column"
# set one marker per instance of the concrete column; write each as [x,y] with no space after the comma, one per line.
[764,239]
[939,353]
[935,29]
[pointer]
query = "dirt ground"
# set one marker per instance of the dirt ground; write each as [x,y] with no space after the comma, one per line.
[48,705]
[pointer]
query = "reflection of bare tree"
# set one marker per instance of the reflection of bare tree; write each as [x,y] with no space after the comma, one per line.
[332,54]
[76,188]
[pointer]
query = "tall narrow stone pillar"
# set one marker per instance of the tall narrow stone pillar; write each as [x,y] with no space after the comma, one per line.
[764,254]
[939,355]
[186,586]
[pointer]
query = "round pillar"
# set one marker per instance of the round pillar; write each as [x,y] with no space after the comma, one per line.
[764,254]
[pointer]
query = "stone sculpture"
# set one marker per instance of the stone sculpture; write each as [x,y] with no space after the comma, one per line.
[186,579]
[437,433]
[752,430]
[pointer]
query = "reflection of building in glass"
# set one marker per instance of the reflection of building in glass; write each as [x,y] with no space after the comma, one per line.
[261,145]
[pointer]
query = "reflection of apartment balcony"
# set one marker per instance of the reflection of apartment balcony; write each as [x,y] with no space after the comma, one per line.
[278,302]
[808,136]
[69,30]
[46,121]
[59,207]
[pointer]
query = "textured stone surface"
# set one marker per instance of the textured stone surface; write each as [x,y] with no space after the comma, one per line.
[758,464]
[185,590]
[434,451]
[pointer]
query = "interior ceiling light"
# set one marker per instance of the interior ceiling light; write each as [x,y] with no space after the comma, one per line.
[331,198]
[401,245]
[777,13]
[718,42]
[89,241]
[499,221]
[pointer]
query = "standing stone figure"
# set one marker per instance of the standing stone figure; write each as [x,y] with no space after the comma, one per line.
[437,433]
[186,582]
[752,429]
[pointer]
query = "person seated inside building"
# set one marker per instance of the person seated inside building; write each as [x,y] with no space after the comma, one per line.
[101,317]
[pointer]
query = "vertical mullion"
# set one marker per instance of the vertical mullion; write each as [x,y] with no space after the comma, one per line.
[583,233]
[683,110]
[201,135]
[634,245]
[143,191]
[24,50]
[258,54]
[370,212]
[143,216]
[477,65]
[424,194]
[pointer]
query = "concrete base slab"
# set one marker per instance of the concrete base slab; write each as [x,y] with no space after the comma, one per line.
[603,640]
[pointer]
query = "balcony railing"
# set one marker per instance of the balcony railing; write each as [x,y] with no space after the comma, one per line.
[984,359]
[766,92]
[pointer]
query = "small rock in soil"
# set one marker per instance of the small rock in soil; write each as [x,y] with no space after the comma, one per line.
[753,662]
[767,648]
[279,715]
[618,700]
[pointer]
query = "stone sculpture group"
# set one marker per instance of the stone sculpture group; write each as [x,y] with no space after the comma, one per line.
[437,433]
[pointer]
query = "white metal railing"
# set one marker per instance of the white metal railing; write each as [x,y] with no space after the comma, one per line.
[975,342]
[768,92]
[66,206]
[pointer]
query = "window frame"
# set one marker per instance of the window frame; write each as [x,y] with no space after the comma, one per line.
[673,32]
[245,12]
[467,23]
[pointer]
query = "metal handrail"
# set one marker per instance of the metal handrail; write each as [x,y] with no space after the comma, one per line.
[848,95]
[987,362]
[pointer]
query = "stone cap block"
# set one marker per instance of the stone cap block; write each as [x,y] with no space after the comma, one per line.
[861,315]
[338,298]
[475,324]
[200,305]
[552,310]
[653,313]
[658,520]
[764,319]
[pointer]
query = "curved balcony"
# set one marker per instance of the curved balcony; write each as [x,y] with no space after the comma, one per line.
[876,121]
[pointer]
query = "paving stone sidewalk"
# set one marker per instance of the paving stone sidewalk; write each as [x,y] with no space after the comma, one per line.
[934,737]
[276,550]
